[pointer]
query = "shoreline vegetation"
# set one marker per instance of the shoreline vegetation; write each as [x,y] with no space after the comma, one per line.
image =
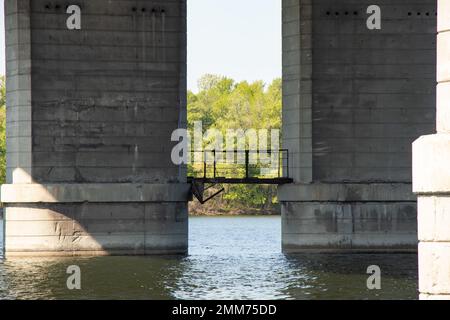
[221,103]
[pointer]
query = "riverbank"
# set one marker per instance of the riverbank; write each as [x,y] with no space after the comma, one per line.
[212,209]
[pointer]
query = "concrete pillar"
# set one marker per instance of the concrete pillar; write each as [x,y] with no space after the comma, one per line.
[90,114]
[431,173]
[354,100]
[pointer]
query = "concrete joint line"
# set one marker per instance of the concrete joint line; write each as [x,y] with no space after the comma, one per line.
[79,193]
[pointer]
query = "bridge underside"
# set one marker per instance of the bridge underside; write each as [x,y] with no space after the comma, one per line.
[90,115]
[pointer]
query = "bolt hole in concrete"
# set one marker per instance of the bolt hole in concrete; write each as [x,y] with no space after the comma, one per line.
[346,13]
[230,257]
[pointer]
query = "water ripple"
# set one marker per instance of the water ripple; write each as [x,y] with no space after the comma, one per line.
[230,258]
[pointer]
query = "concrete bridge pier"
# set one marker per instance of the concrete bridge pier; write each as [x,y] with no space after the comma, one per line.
[432,179]
[90,113]
[354,100]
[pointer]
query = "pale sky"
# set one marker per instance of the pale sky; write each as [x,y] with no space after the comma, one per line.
[240,39]
[237,38]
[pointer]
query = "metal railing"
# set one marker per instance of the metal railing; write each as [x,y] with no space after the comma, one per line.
[240,166]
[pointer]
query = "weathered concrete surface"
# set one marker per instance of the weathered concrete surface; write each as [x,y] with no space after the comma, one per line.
[354,100]
[75,193]
[134,228]
[431,173]
[356,226]
[90,114]
[347,192]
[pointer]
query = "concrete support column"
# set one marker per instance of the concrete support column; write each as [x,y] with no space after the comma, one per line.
[95,219]
[431,175]
[90,114]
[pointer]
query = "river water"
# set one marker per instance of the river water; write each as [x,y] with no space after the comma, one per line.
[229,258]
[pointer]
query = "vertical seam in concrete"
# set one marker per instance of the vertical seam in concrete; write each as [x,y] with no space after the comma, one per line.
[306,82]
[18,53]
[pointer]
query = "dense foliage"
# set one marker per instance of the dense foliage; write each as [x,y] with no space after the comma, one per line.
[222,103]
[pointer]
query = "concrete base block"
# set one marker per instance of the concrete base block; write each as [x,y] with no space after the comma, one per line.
[434,218]
[355,221]
[96,229]
[123,225]
[431,158]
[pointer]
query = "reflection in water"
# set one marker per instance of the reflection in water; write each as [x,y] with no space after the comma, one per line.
[230,258]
